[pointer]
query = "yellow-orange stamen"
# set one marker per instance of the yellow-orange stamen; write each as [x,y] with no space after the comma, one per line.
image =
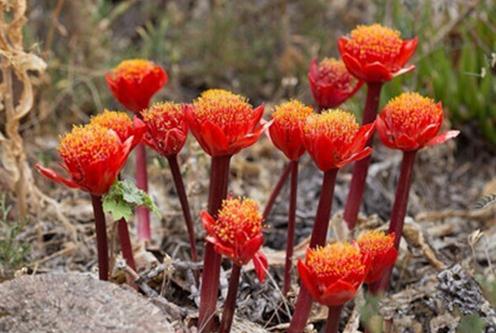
[291,114]
[133,68]
[411,111]
[238,214]
[222,107]
[375,242]
[88,144]
[335,260]
[334,71]
[336,124]
[374,43]
[164,116]
[117,121]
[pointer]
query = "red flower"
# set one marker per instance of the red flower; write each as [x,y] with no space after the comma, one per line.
[224,123]
[286,129]
[333,274]
[334,139]
[331,83]
[93,155]
[380,252]
[375,53]
[410,122]
[134,82]
[167,127]
[122,124]
[237,233]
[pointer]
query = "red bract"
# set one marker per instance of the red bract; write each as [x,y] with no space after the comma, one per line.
[375,53]
[379,250]
[167,127]
[331,83]
[224,123]
[237,233]
[334,139]
[122,124]
[134,82]
[286,129]
[410,122]
[333,274]
[93,156]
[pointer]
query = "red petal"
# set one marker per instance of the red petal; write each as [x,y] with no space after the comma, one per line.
[257,115]
[212,139]
[208,222]
[377,72]
[404,142]
[223,249]
[441,138]
[342,41]
[356,157]
[338,293]
[404,70]
[250,248]
[51,174]
[407,50]
[261,264]
[308,280]
[354,66]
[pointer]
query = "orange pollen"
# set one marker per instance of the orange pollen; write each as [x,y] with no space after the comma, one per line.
[334,71]
[336,124]
[88,144]
[335,260]
[375,242]
[222,107]
[238,215]
[117,121]
[291,114]
[411,111]
[133,68]
[164,116]
[374,43]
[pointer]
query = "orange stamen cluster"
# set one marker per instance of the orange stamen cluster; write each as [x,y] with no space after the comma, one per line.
[164,116]
[375,242]
[133,68]
[374,43]
[238,215]
[117,121]
[291,114]
[335,261]
[88,144]
[338,125]
[411,111]
[222,108]
[334,71]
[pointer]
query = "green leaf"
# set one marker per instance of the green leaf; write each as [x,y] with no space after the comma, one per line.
[122,199]
[471,324]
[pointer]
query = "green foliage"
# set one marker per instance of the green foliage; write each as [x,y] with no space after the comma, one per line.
[13,252]
[488,285]
[369,314]
[471,324]
[123,197]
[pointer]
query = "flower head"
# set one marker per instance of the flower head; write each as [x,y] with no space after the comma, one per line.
[93,156]
[167,127]
[332,274]
[223,122]
[121,123]
[374,53]
[286,129]
[378,248]
[334,139]
[237,232]
[331,83]
[134,82]
[410,122]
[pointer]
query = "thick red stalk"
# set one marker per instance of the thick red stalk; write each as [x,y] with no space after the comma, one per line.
[183,199]
[291,226]
[101,237]
[144,231]
[219,176]
[275,192]
[230,304]
[125,241]
[398,213]
[332,324]
[361,167]
[319,236]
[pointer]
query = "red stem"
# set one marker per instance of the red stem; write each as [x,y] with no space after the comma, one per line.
[291,226]
[275,192]
[183,199]
[101,237]
[398,213]
[126,246]
[230,304]
[319,236]
[144,232]
[332,324]
[219,176]
[361,167]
